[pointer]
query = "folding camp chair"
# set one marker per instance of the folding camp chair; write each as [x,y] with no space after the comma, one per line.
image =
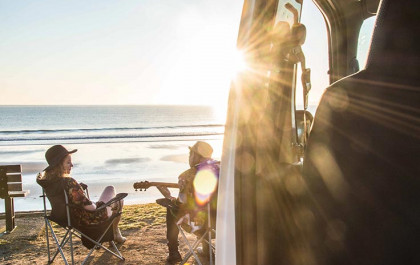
[92,236]
[204,233]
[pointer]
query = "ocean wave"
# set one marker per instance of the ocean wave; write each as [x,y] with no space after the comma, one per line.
[37,131]
[106,136]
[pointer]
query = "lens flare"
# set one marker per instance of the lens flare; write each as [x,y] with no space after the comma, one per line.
[239,63]
[205,183]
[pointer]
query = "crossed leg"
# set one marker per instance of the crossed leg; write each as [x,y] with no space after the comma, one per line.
[107,195]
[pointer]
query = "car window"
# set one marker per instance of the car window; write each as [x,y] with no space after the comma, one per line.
[316,54]
[365,37]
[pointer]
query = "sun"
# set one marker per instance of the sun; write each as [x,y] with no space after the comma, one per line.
[238,62]
[200,73]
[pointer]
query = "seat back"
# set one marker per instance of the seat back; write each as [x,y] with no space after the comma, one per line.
[55,194]
[58,209]
[394,48]
[361,165]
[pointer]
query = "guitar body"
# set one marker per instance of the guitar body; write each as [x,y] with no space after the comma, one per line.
[168,204]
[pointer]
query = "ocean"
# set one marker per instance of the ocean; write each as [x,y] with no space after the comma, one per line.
[117,145]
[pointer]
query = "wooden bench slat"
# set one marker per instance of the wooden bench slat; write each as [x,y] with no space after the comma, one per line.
[14,186]
[11,168]
[10,188]
[18,193]
[14,178]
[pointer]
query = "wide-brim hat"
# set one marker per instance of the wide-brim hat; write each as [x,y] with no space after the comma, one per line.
[55,154]
[202,148]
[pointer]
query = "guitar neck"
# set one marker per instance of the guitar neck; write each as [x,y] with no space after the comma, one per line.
[143,185]
[166,184]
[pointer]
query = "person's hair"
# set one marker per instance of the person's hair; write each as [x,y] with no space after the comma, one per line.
[56,171]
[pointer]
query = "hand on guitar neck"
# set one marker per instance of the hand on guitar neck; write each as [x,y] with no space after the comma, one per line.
[161,186]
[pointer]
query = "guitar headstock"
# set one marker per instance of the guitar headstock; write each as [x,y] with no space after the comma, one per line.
[142,185]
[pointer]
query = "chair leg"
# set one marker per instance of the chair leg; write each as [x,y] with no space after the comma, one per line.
[118,254]
[191,247]
[211,250]
[71,247]
[209,233]
[68,236]
[101,246]
[88,255]
[116,249]
[59,245]
[47,238]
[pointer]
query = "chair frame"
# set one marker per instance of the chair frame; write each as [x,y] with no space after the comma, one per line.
[71,230]
[193,247]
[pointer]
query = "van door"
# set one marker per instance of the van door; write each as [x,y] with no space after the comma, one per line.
[260,163]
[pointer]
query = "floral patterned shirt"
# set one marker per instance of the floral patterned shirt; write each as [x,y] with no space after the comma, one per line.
[77,197]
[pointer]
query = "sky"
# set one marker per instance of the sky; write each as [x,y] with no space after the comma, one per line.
[117,52]
[106,52]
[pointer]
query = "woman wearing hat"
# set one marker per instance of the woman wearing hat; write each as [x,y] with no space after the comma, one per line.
[57,176]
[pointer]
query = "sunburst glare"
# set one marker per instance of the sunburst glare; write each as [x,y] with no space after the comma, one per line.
[238,62]
[205,184]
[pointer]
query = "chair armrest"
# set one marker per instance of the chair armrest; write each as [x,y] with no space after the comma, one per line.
[83,185]
[117,197]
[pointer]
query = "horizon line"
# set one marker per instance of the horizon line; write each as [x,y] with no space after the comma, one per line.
[87,105]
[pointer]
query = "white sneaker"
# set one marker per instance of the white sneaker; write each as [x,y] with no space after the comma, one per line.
[120,239]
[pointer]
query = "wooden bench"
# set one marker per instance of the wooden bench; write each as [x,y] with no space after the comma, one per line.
[10,188]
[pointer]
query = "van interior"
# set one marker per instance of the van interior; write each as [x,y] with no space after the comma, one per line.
[338,185]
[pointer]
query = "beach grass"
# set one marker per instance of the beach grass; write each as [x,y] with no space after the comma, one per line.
[146,215]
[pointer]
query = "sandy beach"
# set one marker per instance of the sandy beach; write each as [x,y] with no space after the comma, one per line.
[143,225]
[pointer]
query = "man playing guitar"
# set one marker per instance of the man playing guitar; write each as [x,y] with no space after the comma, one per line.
[199,158]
